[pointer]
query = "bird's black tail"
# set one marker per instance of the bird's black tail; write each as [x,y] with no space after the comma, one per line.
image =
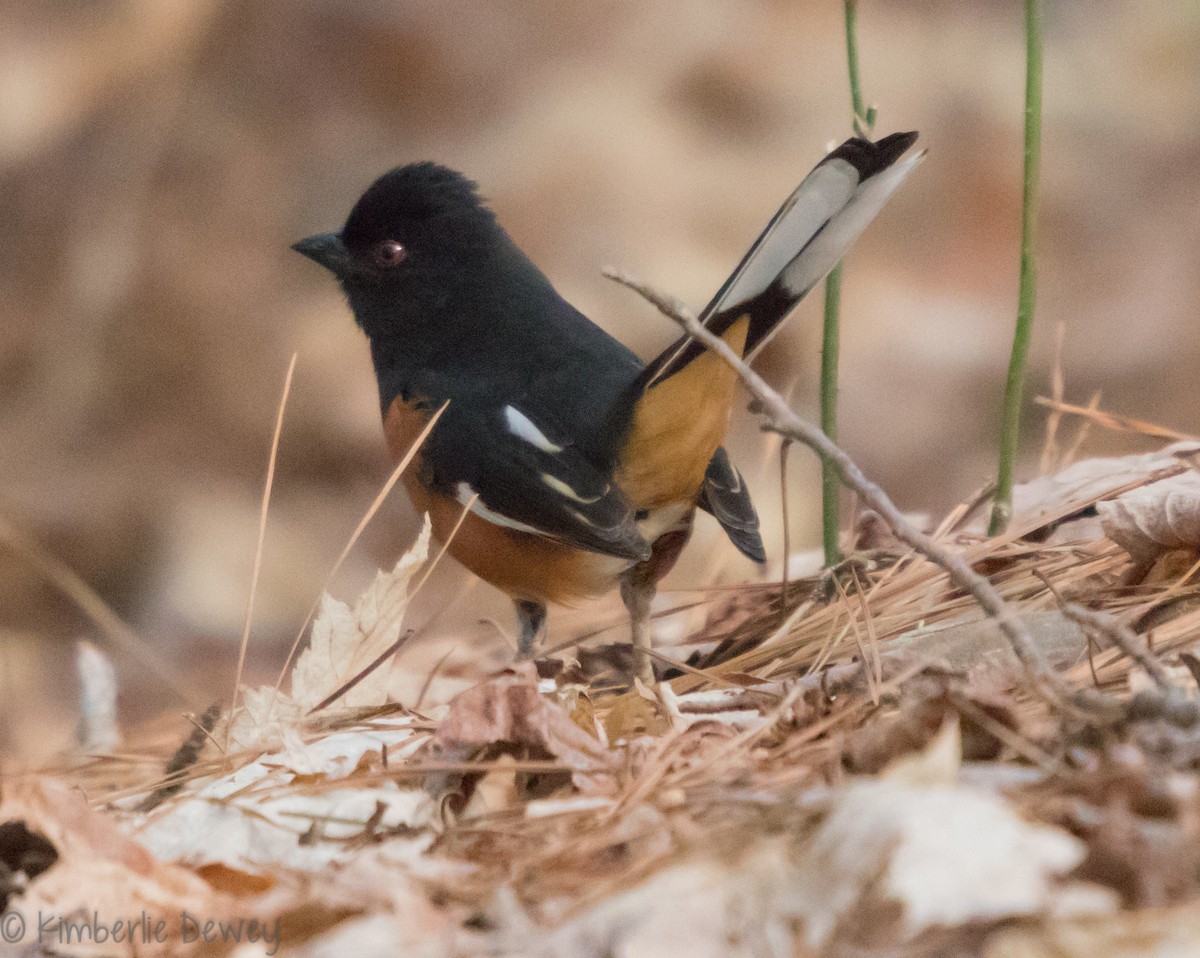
[803,241]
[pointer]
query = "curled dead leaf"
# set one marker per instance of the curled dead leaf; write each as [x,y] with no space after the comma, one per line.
[508,710]
[1155,519]
[1090,478]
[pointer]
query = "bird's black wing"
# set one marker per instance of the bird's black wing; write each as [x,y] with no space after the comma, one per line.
[524,477]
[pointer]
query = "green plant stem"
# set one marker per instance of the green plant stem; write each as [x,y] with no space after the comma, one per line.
[831,479]
[864,119]
[1011,430]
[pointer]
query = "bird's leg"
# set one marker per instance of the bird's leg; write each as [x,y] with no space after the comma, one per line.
[638,587]
[532,617]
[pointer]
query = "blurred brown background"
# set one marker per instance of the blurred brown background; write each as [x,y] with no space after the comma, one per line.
[157,158]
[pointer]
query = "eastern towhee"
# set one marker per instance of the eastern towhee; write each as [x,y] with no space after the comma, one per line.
[582,467]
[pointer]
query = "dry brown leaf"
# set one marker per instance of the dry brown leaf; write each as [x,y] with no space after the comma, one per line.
[632,715]
[945,854]
[508,709]
[1155,519]
[575,698]
[101,876]
[1092,477]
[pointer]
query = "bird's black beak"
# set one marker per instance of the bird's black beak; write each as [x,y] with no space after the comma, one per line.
[328,250]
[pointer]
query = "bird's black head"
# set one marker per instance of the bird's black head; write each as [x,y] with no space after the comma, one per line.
[411,236]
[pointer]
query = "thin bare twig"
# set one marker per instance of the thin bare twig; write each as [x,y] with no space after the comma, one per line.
[780,418]
[1113,421]
[262,534]
[118,633]
[1123,637]
[354,536]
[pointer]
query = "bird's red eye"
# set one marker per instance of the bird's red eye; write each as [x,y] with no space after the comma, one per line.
[389,253]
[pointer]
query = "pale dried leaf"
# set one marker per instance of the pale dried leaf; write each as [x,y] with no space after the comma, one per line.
[937,764]
[345,641]
[1093,477]
[1154,519]
[708,908]
[496,791]
[549,807]
[384,934]
[337,754]
[260,831]
[251,821]
[1158,933]
[945,854]
[100,871]
[725,705]
[98,730]
[260,719]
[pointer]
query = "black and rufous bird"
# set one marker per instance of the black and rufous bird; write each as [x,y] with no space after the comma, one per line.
[581,467]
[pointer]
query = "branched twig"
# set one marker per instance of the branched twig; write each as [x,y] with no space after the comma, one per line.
[780,418]
[1123,637]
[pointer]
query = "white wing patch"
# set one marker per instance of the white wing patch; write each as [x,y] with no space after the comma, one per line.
[564,490]
[522,427]
[464,494]
[737,481]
